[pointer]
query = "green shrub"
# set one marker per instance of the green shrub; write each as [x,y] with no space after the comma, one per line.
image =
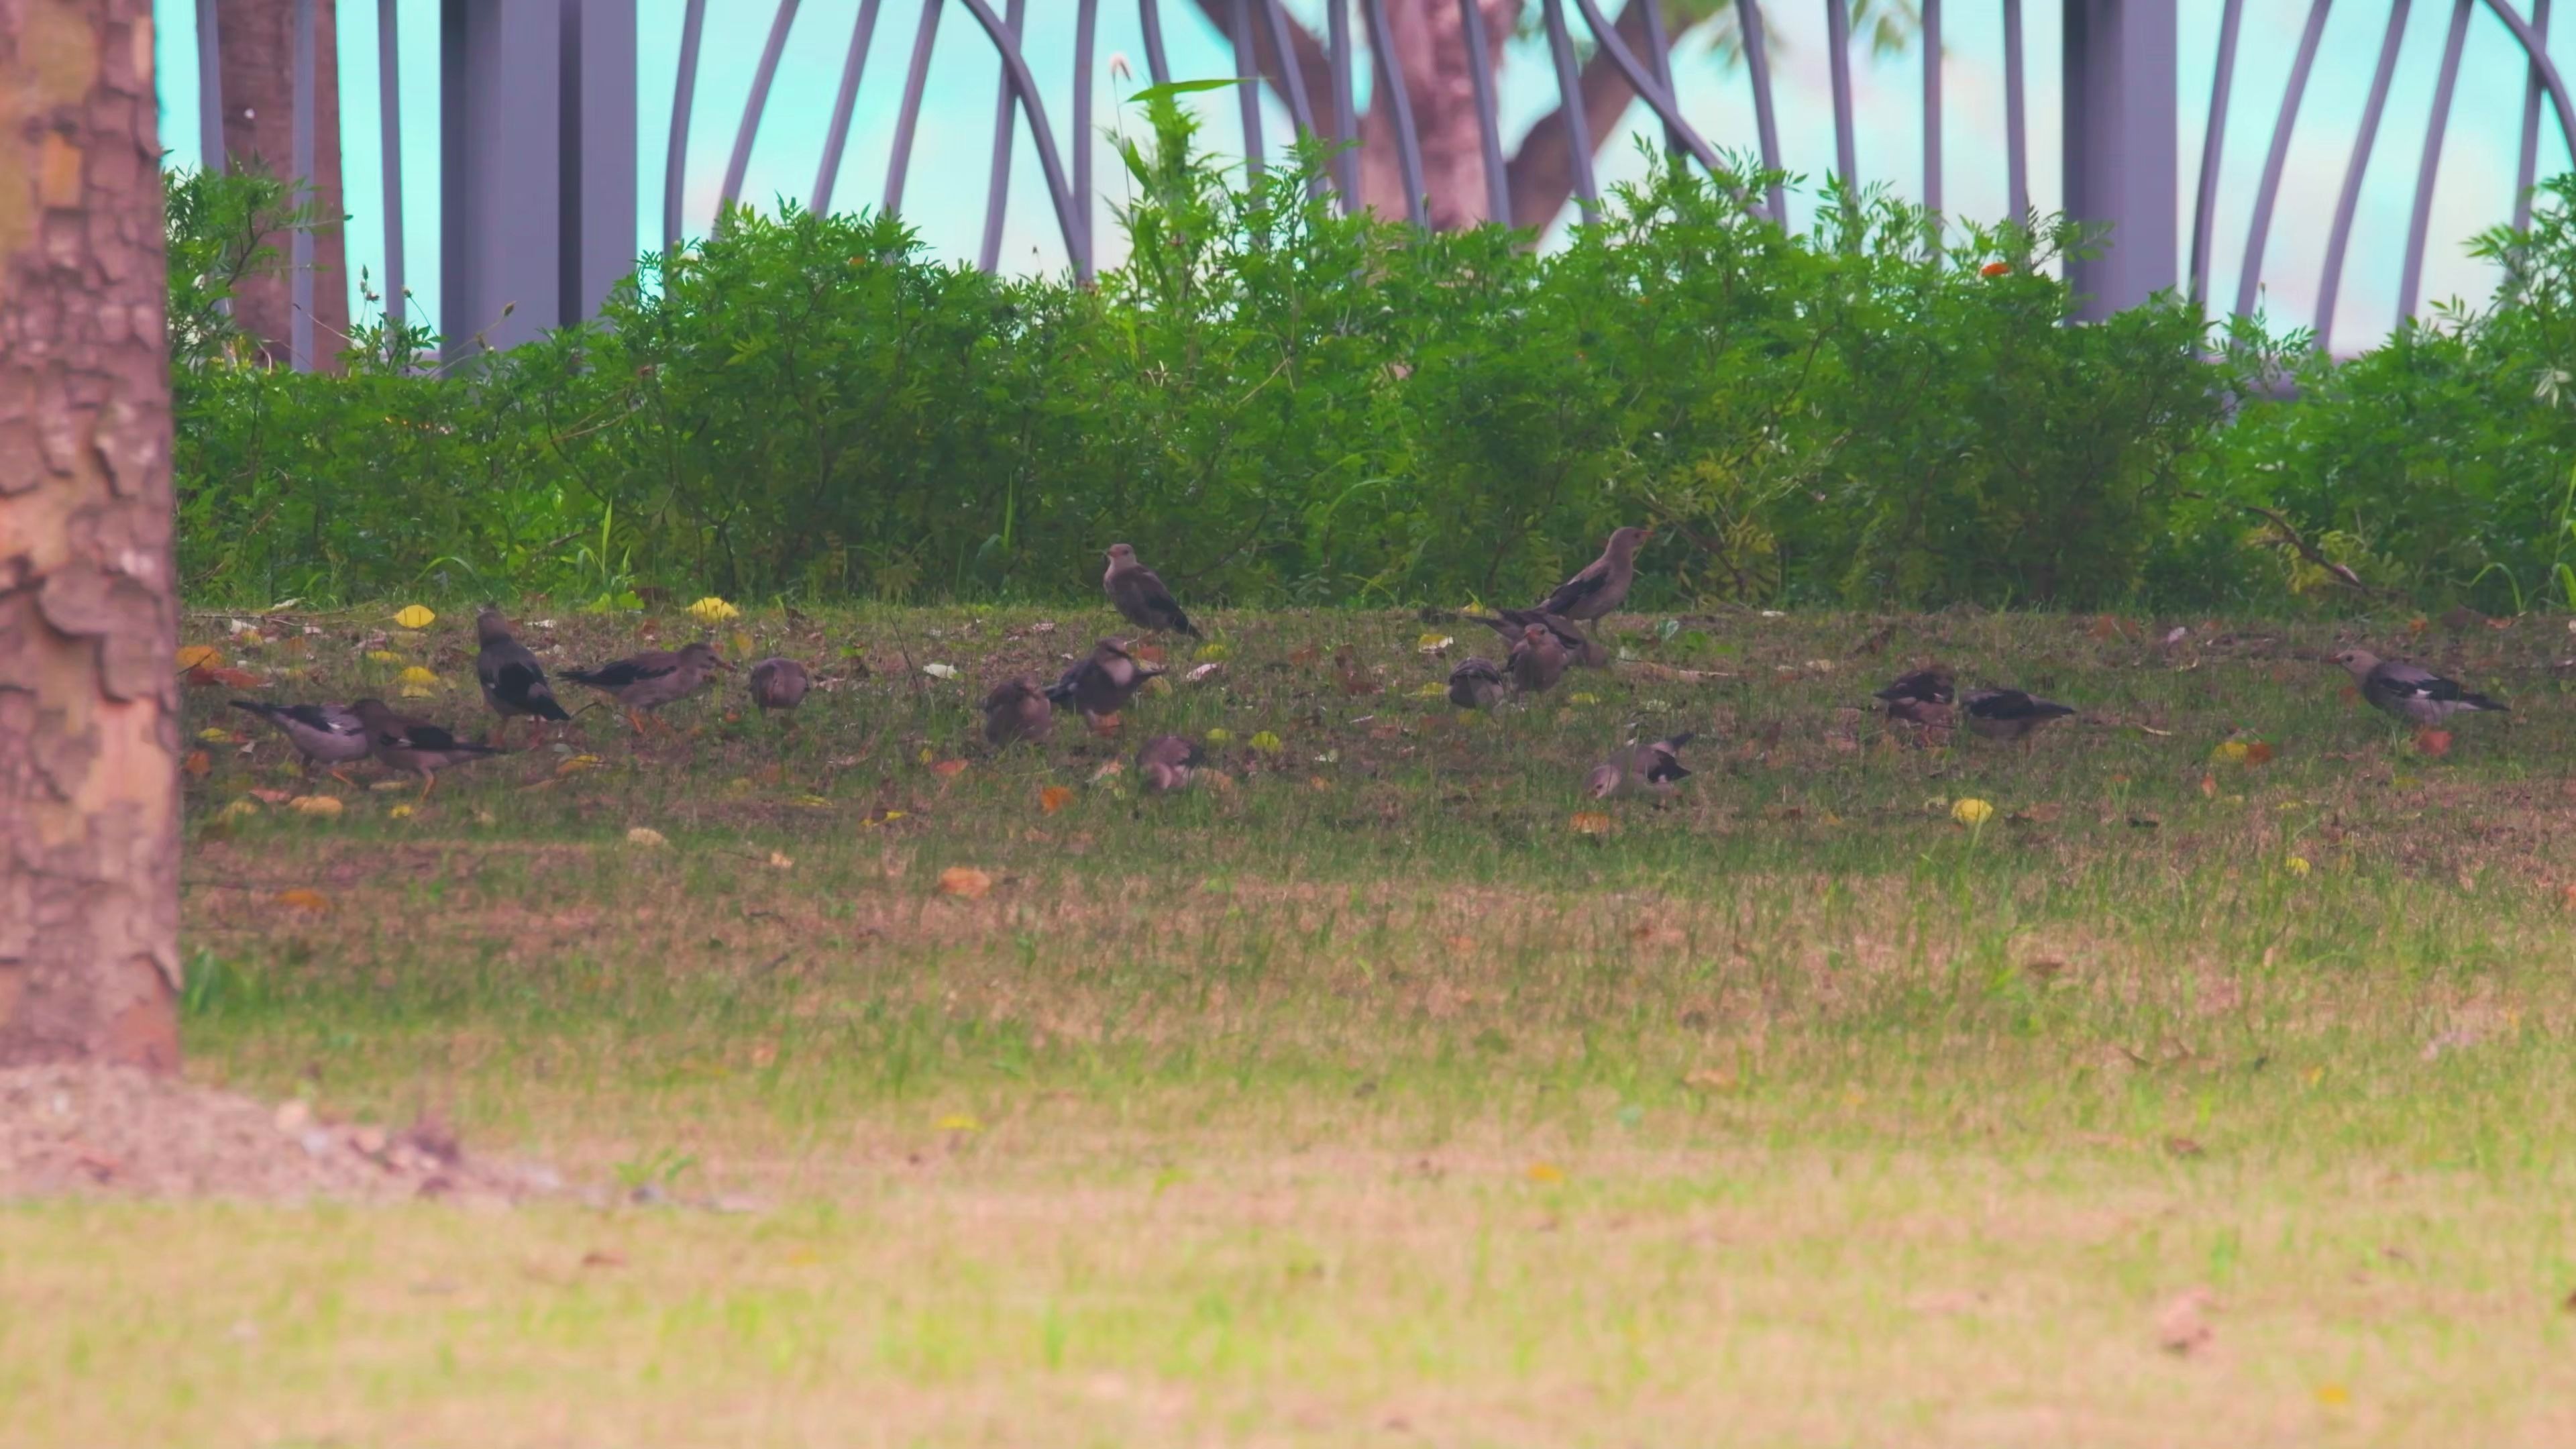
[1272,401]
[2441,464]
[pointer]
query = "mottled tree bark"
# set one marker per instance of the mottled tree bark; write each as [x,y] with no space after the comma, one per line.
[255,42]
[89,729]
[1428,38]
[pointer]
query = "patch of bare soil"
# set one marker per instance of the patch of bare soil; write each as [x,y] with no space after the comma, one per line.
[75,1129]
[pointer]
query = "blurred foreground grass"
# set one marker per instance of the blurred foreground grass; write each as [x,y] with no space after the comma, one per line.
[1371,1094]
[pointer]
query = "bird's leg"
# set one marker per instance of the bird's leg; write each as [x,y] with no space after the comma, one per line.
[428,782]
[342,776]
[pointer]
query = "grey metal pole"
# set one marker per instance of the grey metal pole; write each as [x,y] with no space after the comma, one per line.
[210,91]
[997,190]
[1489,124]
[1932,109]
[2420,223]
[2348,201]
[389,127]
[855,65]
[780,22]
[2122,157]
[1766,121]
[675,156]
[2016,119]
[2527,168]
[907,121]
[1578,127]
[2213,144]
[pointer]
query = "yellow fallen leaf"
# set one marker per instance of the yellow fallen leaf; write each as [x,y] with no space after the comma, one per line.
[712,610]
[417,675]
[389,787]
[2333,1396]
[1972,811]
[1433,643]
[742,648]
[1054,798]
[1267,743]
[575,764]
[200,656]
[883,817]
[1159,684]
[1583,699]
[2297,865]
[2231,751]
[384,656]
[959,1122]
[646,836]
[238,810]
[325,806]
[300,899]
[1219,736]
[215,736]
[1546,1172]
[965,881]
[413,616]
[1213,653]
[399,812]
[780,860]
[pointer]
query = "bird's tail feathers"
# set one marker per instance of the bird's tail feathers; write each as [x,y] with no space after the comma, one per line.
[2480,701]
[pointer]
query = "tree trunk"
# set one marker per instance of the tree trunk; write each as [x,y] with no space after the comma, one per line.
[255,41]
[89,726]
[1431,39]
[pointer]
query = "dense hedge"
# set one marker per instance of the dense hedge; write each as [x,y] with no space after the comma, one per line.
[1276,403]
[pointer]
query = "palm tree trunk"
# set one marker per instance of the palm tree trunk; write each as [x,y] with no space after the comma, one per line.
[255,41]
[89,707]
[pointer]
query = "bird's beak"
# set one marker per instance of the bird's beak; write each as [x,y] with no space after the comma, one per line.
[727,668]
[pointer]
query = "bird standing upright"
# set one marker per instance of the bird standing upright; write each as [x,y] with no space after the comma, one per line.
[1017,710]
[414,744]
[1654,766]
[1601,585]
[647,681]
[779,683]
[1537,661]
[329,734]
[2414,694]
[514,683]
[1137,592]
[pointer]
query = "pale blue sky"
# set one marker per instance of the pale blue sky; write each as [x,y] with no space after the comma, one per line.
[945,195]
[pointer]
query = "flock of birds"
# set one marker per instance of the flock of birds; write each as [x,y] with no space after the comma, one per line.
[1542,643]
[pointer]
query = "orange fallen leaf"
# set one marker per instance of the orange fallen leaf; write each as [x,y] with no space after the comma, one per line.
[271,797]
[1546,1172]
[1590,822]
[200,656]
[948,769]
[300,899]
[197,764]
[1054,798]
[1103,725]
[1150,653]
[2209,787]
[234,678]
[2258,751]
[1305,654]
[965,881]
[2434,744]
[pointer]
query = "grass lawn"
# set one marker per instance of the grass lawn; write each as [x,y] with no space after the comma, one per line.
[2201,1094]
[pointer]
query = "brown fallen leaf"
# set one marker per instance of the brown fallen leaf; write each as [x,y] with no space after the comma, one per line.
[200,656]
[233,678]
[2209,787]
[603,1258]
[965,882]
[948,769]
[2183,1147]
[1054,798]
[1590,822]
[2258,752]
[198,764]
[2433,744]
[1305,654]
[1150,653]
[1709,1079]
[2044,970]
[302,899]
